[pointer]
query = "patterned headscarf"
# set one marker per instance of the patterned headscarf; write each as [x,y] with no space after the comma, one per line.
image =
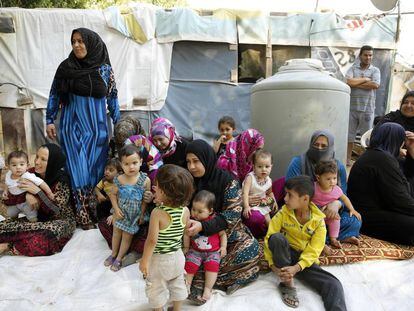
[126,127]
[388,137]
[164,127]
[237,158]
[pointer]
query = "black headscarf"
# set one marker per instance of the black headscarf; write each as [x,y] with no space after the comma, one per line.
[388,137]
[314,155]
[397,116]
[81,76]
[214,179]
[55,170]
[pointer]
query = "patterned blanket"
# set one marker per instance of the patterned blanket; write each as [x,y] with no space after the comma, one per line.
[369,249]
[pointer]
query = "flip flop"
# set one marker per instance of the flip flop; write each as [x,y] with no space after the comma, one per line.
[196,300]
[109,261]
[289,295]
[130,258]
[116,265]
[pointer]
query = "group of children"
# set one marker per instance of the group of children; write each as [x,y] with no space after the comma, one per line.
[295,236]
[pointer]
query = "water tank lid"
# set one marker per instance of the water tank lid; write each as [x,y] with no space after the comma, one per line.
[301,74]
[303,64]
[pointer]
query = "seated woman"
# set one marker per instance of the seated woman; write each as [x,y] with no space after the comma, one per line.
[403,116]
[240,266]
[321,148]
[56,219]
[237,159]
[378,188]
[171,145]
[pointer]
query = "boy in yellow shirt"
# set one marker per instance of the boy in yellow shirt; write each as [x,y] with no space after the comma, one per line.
[293,243]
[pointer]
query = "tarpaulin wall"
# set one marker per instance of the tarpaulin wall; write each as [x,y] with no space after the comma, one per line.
[200,91]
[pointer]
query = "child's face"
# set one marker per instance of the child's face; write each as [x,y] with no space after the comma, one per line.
[18,166]
[110,172]
[262,167]
[294,201]
[327,180]
[199,211]
[159,195]
[131,164]
[226,130]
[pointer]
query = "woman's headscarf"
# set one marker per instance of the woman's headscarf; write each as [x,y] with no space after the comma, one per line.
[55,169]
[314,155]
[126,127]
[164,127]
[81,76]
[237,154]
[214,179]
[388,137]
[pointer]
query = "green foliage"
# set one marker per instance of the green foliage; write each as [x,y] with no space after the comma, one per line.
[162,3]
[31,4]
[84,4]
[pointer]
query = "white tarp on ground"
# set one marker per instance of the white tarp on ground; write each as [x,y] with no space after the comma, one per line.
[30,56]
[76,279]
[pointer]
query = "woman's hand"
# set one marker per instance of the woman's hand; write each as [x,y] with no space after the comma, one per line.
[409,143]
[148,196]
[356,214]
[247,212]
[118,214]
[194,227]
[332,209]
[254,200]
[51,131]
[110,220]
[223,252]
[28,186]
[32,201]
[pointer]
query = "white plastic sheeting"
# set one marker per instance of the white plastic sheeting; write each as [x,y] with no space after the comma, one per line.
[76,279]
[186,24]
[30,56]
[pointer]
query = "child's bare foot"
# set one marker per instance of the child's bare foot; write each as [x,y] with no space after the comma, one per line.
[352,240]
[206,294]
[327,251]
[335,243]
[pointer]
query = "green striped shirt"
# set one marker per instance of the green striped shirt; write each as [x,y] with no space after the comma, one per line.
[170,238]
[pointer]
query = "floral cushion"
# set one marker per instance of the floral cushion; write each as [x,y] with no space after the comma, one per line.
[369,249]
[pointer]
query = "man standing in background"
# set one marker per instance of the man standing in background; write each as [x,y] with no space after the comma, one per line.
[364,79]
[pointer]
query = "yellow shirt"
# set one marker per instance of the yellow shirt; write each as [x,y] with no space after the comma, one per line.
[106,186]
[309,239]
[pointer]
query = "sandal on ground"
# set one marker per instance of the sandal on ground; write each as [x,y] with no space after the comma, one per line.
[197,300]
[116,265]
[289,295]
[109,261]
[130,259]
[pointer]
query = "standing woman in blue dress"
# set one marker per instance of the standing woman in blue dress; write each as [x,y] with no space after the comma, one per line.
[83,87]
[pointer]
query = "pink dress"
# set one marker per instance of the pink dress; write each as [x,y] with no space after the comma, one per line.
[322,198]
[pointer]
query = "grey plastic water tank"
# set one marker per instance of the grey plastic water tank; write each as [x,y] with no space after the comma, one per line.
[289,106]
